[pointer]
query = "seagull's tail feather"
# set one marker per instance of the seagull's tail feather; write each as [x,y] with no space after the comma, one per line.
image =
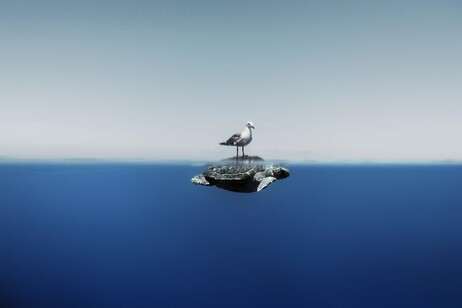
[226,143]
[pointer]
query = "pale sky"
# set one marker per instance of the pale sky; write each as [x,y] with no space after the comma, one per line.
[321,80]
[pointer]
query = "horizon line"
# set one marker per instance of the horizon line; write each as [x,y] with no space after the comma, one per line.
[143,160]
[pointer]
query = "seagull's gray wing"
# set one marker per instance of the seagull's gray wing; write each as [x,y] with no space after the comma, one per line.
[232,140]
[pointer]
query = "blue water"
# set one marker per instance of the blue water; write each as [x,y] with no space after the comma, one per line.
[143,235]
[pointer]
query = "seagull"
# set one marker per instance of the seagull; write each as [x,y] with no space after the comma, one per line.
[241,139]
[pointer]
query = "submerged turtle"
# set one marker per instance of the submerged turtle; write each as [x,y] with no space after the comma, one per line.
[241,178]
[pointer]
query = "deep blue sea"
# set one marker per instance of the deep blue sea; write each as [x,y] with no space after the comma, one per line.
[144,236]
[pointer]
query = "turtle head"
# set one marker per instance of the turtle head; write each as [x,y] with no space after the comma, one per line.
[280,172]
[249,125]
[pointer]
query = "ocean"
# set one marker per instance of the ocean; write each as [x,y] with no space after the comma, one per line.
[134,235]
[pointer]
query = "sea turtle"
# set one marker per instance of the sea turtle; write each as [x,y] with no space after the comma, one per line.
[241,178]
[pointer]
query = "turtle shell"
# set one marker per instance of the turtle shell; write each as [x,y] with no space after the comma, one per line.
[232,173]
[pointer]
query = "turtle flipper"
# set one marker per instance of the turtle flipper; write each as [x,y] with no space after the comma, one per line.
[265,182]
[200,180]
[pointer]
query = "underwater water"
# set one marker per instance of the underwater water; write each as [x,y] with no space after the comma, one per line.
[144,236]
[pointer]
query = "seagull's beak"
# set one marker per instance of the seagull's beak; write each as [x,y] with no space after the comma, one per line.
[252,126]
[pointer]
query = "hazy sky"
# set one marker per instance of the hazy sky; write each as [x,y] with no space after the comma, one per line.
[321,80]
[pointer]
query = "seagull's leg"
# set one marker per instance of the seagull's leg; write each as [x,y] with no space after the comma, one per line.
[243,152]
[237,152]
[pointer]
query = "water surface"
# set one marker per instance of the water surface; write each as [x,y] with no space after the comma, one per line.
[143,235]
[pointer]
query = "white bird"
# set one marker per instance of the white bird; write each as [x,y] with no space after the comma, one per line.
[241,139]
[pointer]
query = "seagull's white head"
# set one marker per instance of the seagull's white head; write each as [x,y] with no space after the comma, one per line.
[250,125]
